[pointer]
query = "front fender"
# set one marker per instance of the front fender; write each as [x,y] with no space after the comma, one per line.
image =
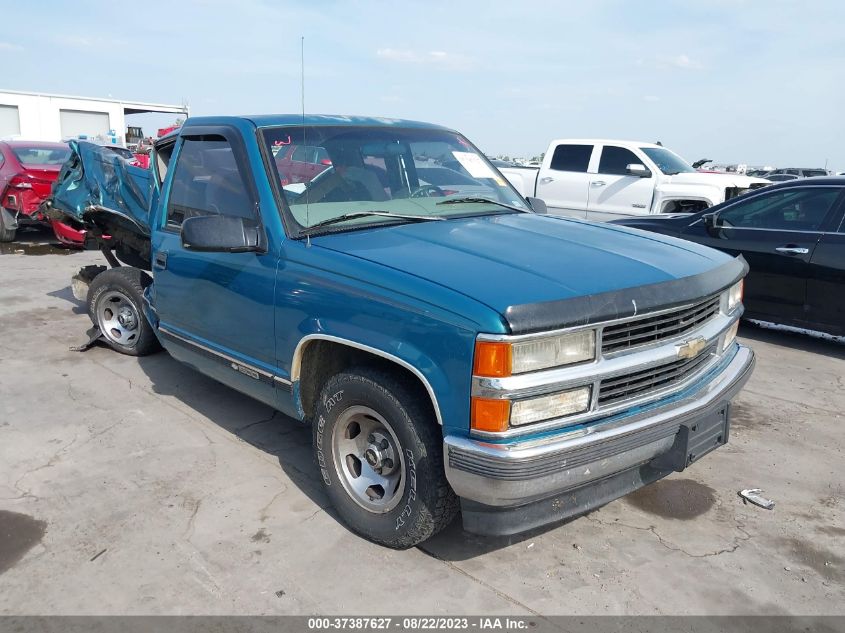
[407,355]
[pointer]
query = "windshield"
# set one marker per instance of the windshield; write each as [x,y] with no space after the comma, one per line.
[667,161]
[35,155]
[331,171]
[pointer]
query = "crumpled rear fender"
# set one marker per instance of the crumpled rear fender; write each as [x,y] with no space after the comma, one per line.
[108,196]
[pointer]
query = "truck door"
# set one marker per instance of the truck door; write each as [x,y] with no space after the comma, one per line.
[613,192]
[563,185]
[215,309]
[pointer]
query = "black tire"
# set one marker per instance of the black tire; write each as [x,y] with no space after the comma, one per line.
[425,503]
[6,235]
[116,293]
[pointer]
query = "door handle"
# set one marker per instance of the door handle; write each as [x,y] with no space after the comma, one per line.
[598,183]
[792,250]
[546,179]
[160,261]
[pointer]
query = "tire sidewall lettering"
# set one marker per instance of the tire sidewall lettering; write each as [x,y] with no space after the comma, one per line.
[321,457]
[411,472]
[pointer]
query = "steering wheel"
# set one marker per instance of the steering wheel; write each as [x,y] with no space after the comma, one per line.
[427,191]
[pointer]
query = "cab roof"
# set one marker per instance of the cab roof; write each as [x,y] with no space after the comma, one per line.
[604,141]
[270,120]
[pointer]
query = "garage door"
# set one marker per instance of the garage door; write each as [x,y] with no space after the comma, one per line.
[10,123]
[76,122]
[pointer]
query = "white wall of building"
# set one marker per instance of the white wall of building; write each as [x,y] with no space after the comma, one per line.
[40,114]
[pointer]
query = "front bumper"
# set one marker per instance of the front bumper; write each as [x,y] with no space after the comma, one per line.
[511,487]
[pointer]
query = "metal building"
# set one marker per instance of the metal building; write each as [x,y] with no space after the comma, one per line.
[47,117]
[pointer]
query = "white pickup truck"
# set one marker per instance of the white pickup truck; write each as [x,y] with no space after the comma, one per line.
[605,180]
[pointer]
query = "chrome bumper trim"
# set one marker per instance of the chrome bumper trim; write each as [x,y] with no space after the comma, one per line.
[514,473]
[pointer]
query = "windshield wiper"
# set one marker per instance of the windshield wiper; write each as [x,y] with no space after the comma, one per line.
[364,214]
[478,200]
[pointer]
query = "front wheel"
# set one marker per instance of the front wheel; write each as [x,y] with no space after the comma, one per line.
[380,455]
[115,298]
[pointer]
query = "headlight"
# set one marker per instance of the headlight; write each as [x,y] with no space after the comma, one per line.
[735,295]
[555,351]
[548,407]
[499,359]
[730,335]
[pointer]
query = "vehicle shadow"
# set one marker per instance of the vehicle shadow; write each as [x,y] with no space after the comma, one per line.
[66,293]
[35,240]
[286,439]
[822,344]
[289,441]
[454,544]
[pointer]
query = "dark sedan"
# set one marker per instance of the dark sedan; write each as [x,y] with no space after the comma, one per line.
[793,237]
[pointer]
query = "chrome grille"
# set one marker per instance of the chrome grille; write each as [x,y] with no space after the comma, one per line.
[631,385]
[651,329]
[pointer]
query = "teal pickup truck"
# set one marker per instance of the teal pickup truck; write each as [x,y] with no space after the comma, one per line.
[453,347]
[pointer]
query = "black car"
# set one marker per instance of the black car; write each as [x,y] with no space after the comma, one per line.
[793,237]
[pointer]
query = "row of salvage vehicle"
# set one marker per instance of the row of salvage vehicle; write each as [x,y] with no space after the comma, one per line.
[452,344]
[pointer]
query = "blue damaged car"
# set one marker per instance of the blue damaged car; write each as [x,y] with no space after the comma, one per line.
[452,346]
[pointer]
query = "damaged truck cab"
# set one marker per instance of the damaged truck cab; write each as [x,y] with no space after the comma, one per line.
[450,347]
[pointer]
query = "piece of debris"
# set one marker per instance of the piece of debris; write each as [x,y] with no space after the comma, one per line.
[530,545]
[754,495]
[280,593]
[576,546]
[787,568]
[93,335]
[97,555]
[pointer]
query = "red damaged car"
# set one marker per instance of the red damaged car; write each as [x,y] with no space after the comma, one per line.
[28,170]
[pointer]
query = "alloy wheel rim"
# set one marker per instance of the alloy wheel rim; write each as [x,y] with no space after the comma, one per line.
[368,459]
[118,319]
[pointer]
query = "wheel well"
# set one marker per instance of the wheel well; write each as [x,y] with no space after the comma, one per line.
[320,360]
[684,206]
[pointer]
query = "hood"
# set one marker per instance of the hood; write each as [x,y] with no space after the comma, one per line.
[512,260]
[97,186]
[715,179]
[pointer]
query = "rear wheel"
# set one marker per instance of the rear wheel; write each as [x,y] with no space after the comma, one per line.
[115,298]
[6,234]
[380,455]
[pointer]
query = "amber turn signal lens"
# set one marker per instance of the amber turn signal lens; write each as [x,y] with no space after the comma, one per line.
[490,415]
[492,359]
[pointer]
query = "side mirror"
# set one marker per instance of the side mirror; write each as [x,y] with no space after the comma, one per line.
[638,169]
[711,223]
[220,233]
[538,205]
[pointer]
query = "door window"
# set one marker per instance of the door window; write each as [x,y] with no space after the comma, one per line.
[207,181]
[162,160]
[786,210]
[615,160]
[571,158]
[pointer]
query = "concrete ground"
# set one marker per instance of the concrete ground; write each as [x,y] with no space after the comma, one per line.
[138,486]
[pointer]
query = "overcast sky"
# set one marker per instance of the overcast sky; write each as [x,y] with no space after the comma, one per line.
[735,81]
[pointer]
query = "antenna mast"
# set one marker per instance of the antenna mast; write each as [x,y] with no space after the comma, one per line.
[302,93]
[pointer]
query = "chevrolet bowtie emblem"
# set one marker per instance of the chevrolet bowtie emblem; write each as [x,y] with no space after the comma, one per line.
[691,348]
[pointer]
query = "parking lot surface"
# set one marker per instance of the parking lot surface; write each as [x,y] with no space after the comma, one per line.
[138,486]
